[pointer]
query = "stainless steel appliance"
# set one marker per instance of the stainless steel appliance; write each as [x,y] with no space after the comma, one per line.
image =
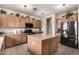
[69,34]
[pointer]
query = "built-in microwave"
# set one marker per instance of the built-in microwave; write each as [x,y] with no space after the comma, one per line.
[28,25]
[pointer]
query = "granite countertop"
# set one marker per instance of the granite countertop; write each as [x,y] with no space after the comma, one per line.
[42,36]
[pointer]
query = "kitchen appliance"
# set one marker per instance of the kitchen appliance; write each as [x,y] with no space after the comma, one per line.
[28,25]
[69,34]
[28,29]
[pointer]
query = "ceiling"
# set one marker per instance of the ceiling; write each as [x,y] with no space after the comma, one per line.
[40,10]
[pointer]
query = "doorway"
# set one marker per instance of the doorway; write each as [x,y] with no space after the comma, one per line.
[49,26]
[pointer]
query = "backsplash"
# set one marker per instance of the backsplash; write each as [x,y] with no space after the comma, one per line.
[15,30]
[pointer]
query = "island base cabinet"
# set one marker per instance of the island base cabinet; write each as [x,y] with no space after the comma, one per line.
[34,46]
[37,46]
[45,47]
[14,40]
[53,45]
[9,42]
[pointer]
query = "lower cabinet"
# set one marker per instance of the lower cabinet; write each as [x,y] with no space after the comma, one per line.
[9,41]
[45,47]
[53,45]
[13,40]
[39,46]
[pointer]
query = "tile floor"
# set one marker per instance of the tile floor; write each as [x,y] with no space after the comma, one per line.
[22,50]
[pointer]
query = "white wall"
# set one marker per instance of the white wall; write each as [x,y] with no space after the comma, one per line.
[43,25]
[52,23]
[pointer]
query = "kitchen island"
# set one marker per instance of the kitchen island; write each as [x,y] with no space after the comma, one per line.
[42,44]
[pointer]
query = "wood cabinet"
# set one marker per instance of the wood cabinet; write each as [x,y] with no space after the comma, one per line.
[1,21]
[31,20]
[17,22]
[39,24]
[42,46]
[22,22]
[34,23]
[9,41]
[17,40]
[13,40]
[27,20]
[53,45]
[45,47]
[4,19]
[13,21]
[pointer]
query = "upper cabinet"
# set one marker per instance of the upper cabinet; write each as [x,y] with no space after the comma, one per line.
[17,22]
[34,23]
[4,20]
[22,22]
[39,24]
[27,19]
[1,21]
[7,21]
[11,21]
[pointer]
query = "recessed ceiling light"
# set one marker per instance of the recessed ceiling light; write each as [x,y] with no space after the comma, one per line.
[34,8]
[43,13]
[28,7]
[25,6]
[63,4]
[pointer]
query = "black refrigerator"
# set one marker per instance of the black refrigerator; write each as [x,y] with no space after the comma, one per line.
[69,34]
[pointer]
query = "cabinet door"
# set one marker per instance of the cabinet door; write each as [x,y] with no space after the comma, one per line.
[53,45]
[34,23]
[1,21]
[17,40]
[5,20]
[23,38]
[39,24]
[9,42]
[45,47]
[17,22]
[11,21]
[30,20]
[27,20]
[23,22]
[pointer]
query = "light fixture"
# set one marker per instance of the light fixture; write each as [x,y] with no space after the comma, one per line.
[63,4]
[34,8]
[25,6]
[28,7]
[42,13]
